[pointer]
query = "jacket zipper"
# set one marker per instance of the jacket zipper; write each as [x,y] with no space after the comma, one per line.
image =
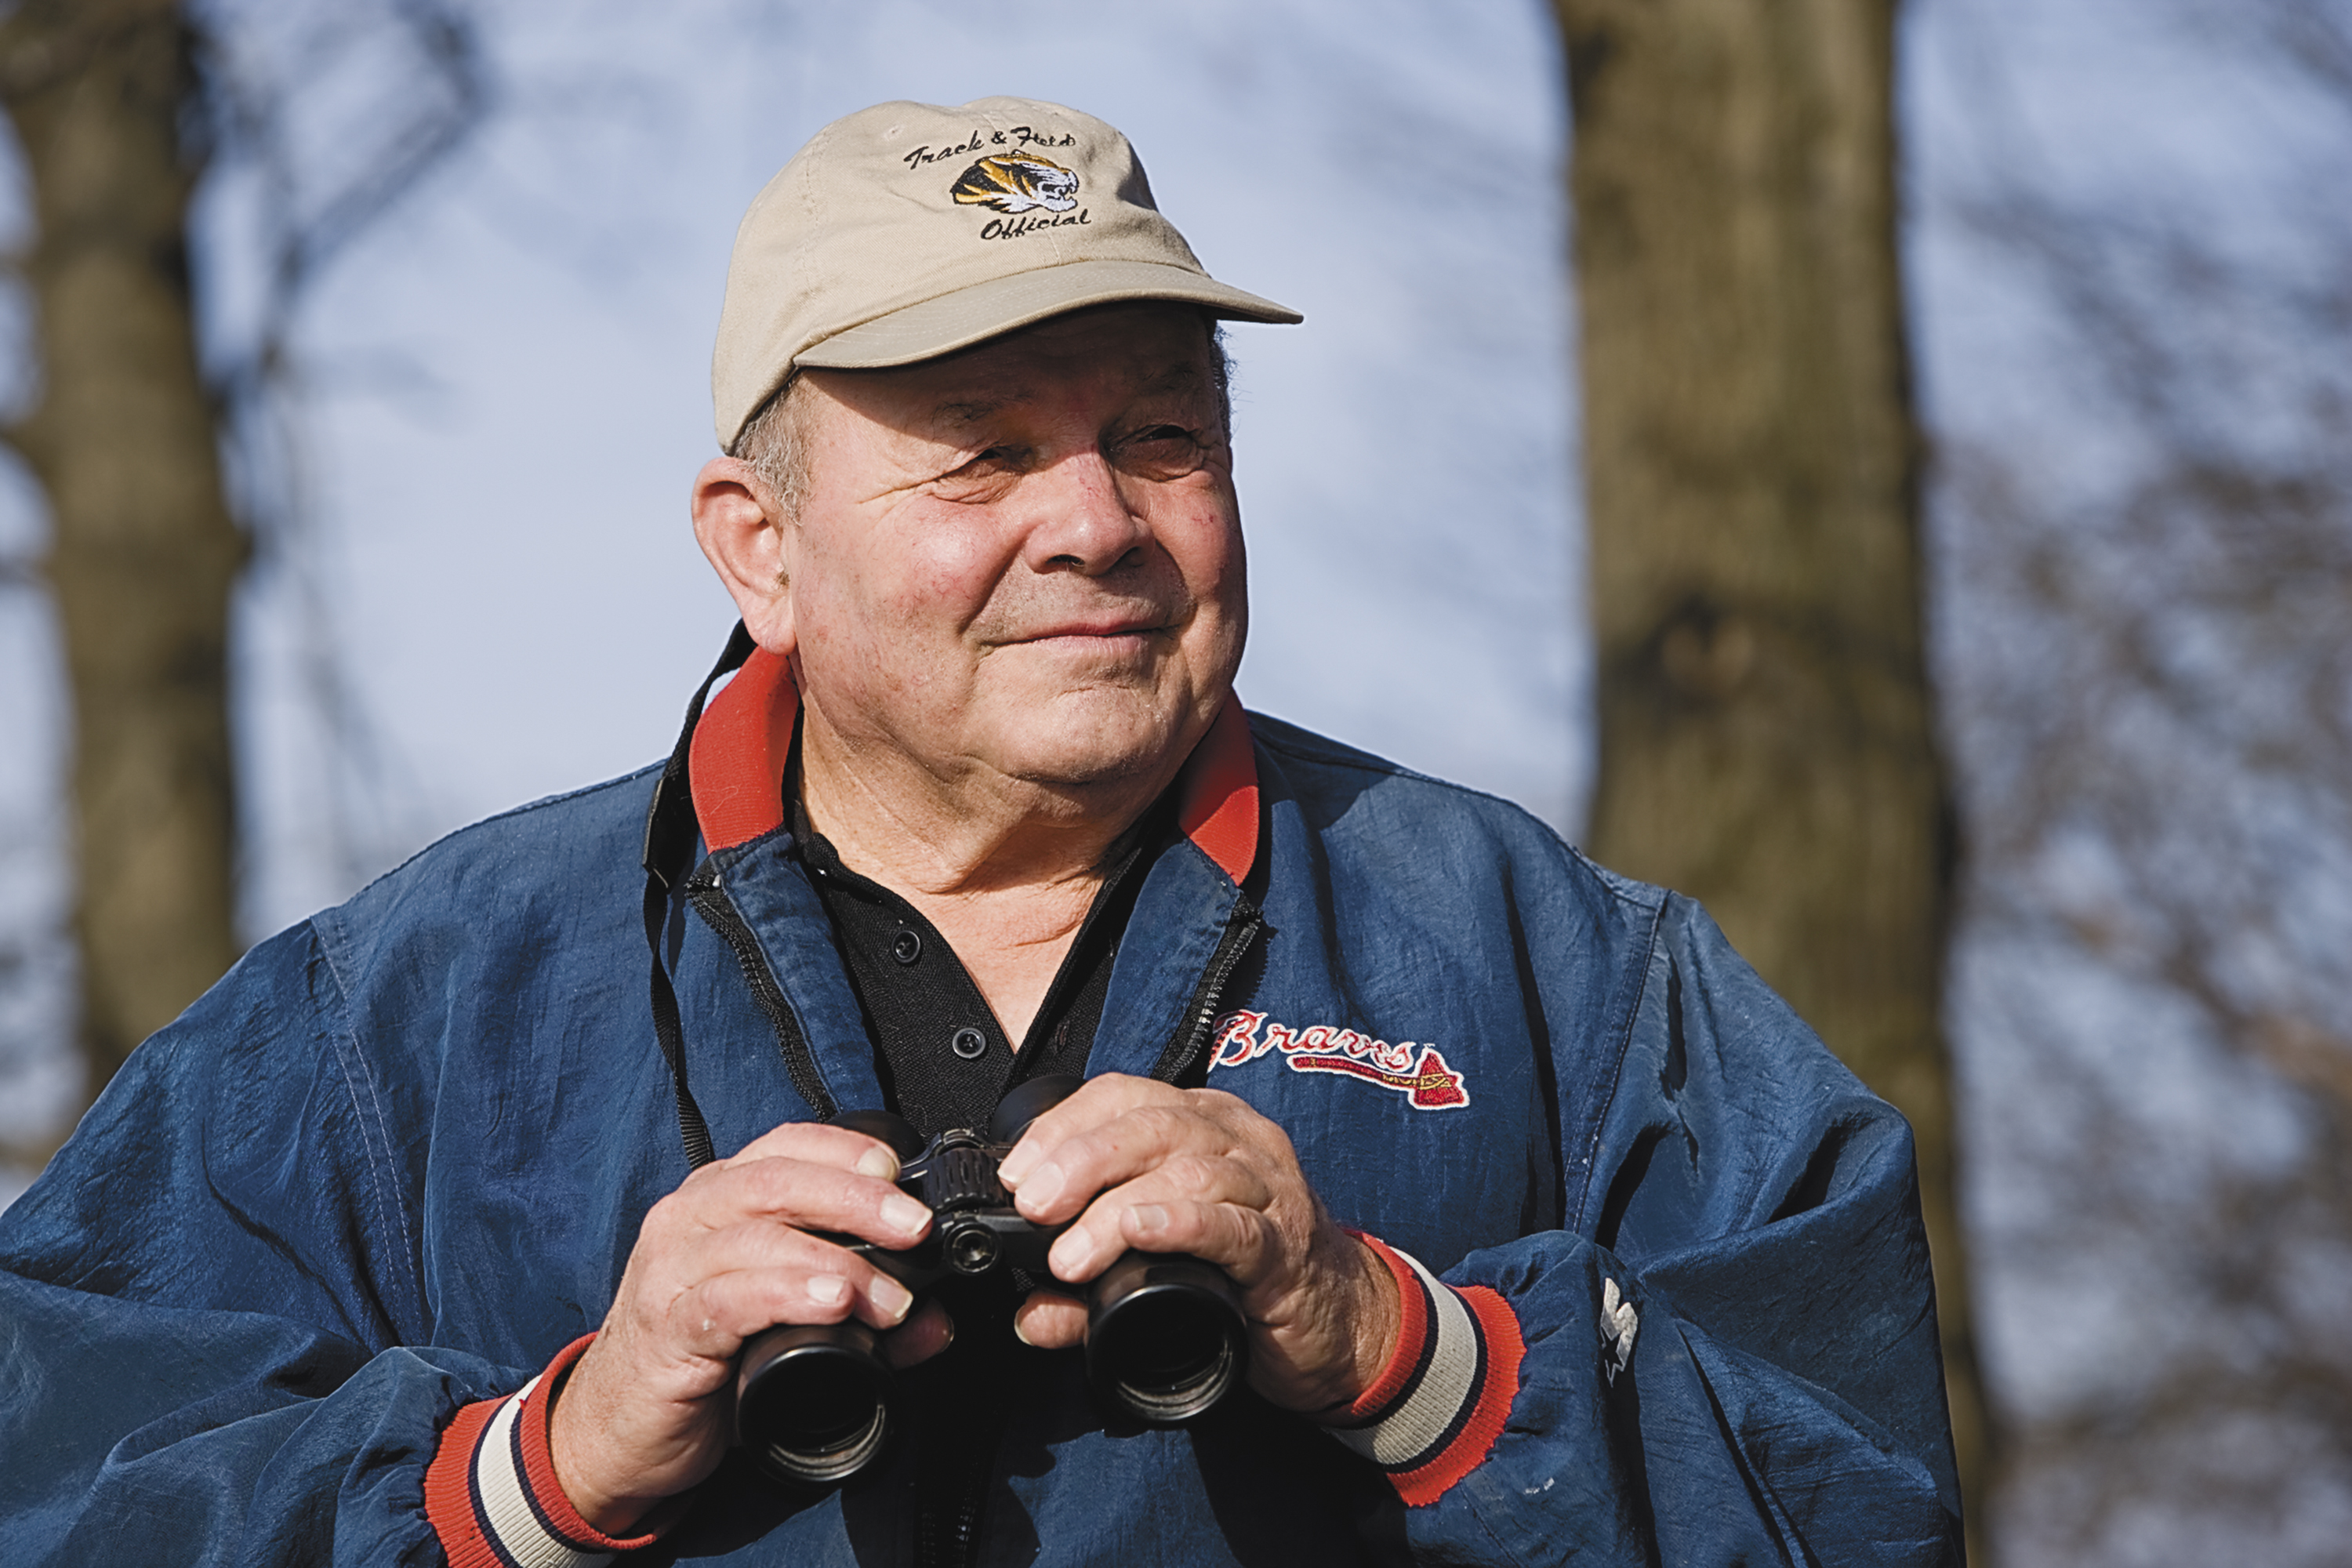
[1241,928]
[961,1528]
[717,910]
[709,901]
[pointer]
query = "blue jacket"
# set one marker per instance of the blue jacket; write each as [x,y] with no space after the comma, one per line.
[320,1229]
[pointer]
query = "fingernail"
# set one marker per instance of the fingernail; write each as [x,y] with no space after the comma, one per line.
[877,1161]
[1014,1167]
[828,1289]
[1041,1186]
[890,1297]
[1149,1217]
[900,1212]
[1068,1254]
[1023,1334]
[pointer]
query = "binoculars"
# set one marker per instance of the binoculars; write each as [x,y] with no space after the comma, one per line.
[1165,1335]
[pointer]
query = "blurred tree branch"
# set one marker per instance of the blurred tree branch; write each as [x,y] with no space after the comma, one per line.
[120,108]
[2154,697]
[143,553]
[1767,738]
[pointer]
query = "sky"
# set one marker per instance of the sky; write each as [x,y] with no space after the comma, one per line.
[504,396]
[500,395]
[512,390]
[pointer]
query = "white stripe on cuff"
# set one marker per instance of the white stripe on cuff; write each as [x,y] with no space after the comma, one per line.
[1414,1431]
[509,1517]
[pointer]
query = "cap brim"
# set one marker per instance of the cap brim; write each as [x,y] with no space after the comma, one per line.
[984,310]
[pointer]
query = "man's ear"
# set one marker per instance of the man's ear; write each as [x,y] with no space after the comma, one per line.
[744,541]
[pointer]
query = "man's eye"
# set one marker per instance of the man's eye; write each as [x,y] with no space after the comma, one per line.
[1162,451]
[981,476]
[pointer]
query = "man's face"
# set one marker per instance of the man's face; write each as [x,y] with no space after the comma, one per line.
[1025,559]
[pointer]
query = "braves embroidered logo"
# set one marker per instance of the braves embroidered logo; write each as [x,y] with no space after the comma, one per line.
[1017,181]
[1416,1071]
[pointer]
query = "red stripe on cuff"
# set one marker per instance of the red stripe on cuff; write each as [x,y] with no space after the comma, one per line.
[1412,1338]
[449,1487]
[538,1462]
[1498,1327]
[452,1505]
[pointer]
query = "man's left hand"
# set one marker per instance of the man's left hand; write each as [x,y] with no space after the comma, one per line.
[1143,1165]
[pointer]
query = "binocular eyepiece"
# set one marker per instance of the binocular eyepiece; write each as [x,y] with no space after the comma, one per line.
[1165,1335]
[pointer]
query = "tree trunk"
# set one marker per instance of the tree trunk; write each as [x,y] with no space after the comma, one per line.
[1765,739]
[144,553]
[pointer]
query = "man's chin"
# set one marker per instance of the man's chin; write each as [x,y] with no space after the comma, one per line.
[1092,740]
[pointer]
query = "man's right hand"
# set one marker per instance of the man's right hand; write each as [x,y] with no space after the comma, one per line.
[647,1409]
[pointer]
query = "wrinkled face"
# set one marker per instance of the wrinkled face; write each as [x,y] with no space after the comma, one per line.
[1026,558]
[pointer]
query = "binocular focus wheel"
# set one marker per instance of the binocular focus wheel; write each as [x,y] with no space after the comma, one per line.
[1166,1337]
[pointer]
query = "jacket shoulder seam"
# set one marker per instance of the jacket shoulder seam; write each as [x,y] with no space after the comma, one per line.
[1622,1049]
[376,1131]
[1297,742]
[527,809]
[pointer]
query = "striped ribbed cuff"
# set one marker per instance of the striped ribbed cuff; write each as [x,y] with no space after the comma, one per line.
[490,1492]
[1434,1412]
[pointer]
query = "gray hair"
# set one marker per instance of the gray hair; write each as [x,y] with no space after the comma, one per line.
[774,442]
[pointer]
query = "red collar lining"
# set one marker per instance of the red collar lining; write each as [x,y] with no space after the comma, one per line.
[745,741]
[1218,807]
[740,750]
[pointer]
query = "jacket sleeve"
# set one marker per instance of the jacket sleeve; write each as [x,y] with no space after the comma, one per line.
[215,1342]
[1731,1358]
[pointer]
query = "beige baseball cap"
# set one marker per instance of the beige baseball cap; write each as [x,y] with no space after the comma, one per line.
[909,230]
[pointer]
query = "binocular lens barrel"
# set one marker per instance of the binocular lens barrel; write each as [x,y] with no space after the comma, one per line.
[811,1401]
[1164,1343]
[1164,1337]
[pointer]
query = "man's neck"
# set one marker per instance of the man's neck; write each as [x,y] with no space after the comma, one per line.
[1004,869]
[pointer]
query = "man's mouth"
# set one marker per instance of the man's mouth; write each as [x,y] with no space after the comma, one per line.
[1097,631]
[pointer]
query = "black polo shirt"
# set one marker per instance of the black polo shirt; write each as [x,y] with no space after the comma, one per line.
[943,1057]
[944,1061]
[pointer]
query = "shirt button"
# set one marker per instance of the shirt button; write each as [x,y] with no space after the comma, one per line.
[969,1044]
[908,946]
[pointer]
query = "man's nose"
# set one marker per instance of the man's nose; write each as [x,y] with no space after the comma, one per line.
[1082,522]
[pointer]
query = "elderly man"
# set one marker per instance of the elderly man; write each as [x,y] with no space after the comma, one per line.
[1551,1231]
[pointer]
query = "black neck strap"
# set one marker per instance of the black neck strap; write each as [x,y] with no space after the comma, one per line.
[671,833]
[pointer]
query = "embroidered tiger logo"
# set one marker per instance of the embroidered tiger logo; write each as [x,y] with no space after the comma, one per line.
[1015,182]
